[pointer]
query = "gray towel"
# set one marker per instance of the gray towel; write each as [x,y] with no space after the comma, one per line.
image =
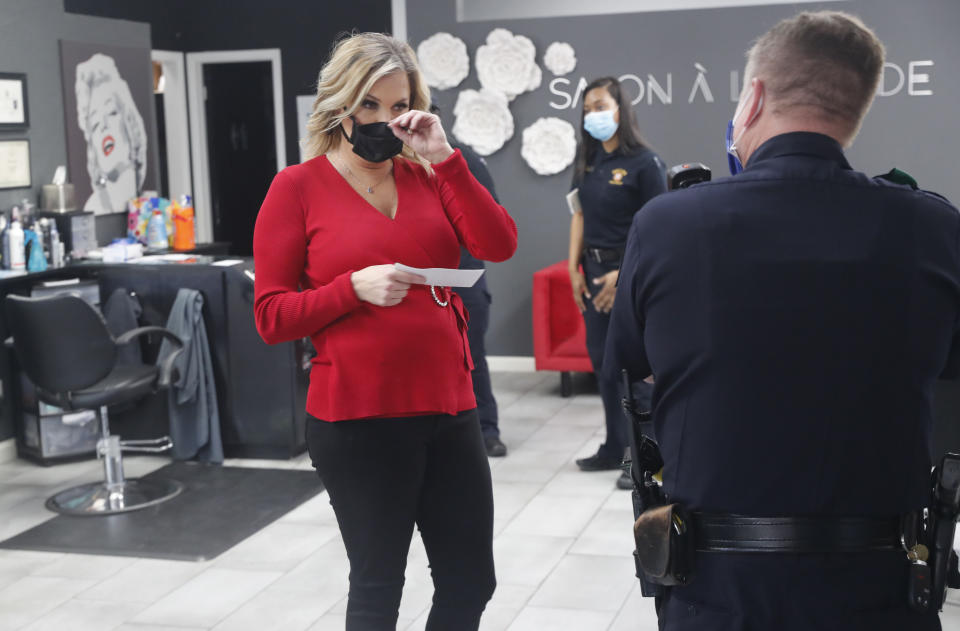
[194,419]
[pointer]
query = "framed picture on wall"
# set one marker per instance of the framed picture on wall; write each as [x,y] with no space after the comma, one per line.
[13,101]
[14,163]
[108,109]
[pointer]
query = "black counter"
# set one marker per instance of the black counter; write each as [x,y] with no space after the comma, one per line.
[261,389]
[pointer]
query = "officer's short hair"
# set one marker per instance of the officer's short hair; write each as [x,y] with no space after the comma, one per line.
[828,62]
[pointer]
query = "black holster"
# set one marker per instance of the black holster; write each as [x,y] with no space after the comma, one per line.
[943,515]
[663,534]
[666,544]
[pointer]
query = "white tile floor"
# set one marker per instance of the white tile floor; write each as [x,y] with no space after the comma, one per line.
[562,548]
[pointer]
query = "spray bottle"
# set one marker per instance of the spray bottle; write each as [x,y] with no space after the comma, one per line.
[14,242]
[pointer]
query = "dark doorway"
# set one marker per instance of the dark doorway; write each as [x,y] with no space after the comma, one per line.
[242,147]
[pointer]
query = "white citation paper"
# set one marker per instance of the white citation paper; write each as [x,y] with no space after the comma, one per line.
[443,277]
[573,201]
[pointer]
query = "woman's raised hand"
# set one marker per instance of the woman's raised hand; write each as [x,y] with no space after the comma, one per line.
[422,132]
[383,285]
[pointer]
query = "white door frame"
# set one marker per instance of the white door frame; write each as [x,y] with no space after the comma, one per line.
[202,203]
[398,19]
[176,123]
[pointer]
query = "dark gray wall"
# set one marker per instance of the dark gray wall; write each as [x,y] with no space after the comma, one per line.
[29,35]
[916,133]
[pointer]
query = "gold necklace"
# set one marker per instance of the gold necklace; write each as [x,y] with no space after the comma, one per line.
[369,188]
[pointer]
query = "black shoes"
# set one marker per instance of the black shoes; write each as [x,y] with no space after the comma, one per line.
[596,462]
[494,446]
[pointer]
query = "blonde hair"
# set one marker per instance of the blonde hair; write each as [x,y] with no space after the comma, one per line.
[827,61]
[356,63]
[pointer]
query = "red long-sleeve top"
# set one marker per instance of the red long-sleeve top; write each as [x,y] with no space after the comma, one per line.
[314,230]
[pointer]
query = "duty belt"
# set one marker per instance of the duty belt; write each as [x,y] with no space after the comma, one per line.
[601,255]
[735,533]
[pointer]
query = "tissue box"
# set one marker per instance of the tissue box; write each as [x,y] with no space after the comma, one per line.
[58,199]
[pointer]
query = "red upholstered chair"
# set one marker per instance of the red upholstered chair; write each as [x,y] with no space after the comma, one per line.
[559,335]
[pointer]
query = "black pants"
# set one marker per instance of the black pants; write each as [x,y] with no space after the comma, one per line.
[610,389]
[384,476]
[803,592]
[477,301]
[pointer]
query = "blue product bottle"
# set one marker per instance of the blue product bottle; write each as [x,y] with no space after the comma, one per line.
[157,231]
[36,261]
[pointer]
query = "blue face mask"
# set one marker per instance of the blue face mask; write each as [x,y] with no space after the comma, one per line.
[733,159]
[733,156]
[601,125]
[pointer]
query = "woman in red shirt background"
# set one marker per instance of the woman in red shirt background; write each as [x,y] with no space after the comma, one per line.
[392,427]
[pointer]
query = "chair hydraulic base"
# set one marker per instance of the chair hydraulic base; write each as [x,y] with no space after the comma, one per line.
[116,494]
[97,498]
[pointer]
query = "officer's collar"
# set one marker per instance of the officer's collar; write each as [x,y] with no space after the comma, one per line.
[603,154]
[800,143]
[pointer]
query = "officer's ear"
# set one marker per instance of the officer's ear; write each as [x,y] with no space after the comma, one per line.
[754,106]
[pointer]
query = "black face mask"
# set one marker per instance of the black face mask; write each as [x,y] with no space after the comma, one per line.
[374,142]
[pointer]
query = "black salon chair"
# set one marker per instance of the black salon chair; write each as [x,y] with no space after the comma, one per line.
[64,347]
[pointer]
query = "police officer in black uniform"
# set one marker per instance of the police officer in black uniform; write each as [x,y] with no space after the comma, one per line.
[795,317]
[477,300]
[615,174]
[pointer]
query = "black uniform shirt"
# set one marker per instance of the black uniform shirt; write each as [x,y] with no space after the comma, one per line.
[614,188]
[795,317]
[478,167]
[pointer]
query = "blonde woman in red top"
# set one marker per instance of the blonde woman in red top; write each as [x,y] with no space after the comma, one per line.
[392,426]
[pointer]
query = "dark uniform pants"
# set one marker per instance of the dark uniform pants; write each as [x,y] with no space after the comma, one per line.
[477,301]
[610,390]
[783,592]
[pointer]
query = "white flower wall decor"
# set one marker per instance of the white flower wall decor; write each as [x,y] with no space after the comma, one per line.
[482,119]
[443,60]
[560,58]
[508,63]
[549,145]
